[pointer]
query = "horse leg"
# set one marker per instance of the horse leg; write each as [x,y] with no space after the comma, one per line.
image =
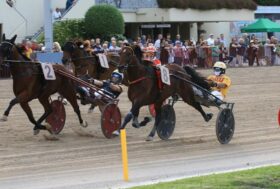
[197,106]
[7,111]
[71,97]
[157,120]
[44,100]
[26,108]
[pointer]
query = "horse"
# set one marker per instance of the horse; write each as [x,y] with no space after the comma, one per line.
[88,63]
[143,89]
[29,84]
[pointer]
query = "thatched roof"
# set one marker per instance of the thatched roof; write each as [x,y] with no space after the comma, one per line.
[208,4]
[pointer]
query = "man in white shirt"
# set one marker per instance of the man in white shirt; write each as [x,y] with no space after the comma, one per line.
[56,14]
[157,45]
[210,40]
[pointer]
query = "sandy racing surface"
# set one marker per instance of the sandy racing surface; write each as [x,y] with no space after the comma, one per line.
[91,161]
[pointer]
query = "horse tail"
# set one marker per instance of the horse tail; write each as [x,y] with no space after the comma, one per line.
[197,78]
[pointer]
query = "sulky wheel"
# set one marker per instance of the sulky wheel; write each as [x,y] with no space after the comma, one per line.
[225,125]
[110,119]
[57,118]
[166,125]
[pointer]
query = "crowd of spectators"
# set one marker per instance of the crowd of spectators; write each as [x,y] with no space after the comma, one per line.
[239,52]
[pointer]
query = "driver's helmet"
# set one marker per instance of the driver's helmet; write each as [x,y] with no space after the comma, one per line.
[219,68]
[116,77]
[150,51]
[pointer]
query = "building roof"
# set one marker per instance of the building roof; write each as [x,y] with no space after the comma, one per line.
[208,5]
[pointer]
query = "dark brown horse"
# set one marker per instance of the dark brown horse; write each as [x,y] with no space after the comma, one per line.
[88,63]
[29,84]
[144,90]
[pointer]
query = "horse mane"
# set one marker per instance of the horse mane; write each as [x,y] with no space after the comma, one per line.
[138,52]
[197,78]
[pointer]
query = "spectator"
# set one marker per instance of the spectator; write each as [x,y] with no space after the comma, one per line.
[268,51]
[215,51]
[105,47]
[97,47]
[233,51]
[210,40]
[56,14]
[223,53]
[157,45]
[114,47]
[56,47]
[178,53]
[241,48]
[69,4]
[178,38]
[168,38]
[222,39]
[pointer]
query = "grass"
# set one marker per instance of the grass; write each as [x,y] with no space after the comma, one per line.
[260,178]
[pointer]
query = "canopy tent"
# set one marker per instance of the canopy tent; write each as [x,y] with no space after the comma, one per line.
[262,25]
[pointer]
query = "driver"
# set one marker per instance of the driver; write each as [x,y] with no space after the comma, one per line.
[111,87]
[221,82]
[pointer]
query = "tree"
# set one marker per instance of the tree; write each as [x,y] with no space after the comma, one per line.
[104,21]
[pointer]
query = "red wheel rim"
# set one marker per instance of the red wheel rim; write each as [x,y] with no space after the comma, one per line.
[110,119]
[279,117]
[57,118]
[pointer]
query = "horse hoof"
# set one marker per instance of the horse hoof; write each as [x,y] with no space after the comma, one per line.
[4,118]
[145,121]
[208,117]
[137,126]
[49,128]
[84,124]
[64,102]
[36,132]
[149,138]
[116,133]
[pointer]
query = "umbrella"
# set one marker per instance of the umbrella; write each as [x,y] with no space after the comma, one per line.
[262,25]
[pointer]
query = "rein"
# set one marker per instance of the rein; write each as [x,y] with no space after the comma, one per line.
[112,62]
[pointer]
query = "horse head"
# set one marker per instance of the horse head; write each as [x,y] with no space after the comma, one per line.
[130,55]
[72,50]
[7,48]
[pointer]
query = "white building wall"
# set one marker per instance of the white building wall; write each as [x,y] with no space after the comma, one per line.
[32,10]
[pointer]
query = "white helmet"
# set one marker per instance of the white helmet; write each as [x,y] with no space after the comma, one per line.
[118,77]
[219,68]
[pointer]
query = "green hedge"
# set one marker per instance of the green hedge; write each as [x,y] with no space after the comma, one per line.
[68,30]
[104,21]
[208,4]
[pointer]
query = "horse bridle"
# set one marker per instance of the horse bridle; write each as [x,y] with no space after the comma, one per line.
[124,67]
[9,49]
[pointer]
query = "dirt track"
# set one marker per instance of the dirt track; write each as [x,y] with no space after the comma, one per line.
[76,161]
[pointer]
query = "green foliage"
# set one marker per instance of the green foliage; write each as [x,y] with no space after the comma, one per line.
[208,4]
[68,30]
[268,2]
[104,21]
[267,177]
